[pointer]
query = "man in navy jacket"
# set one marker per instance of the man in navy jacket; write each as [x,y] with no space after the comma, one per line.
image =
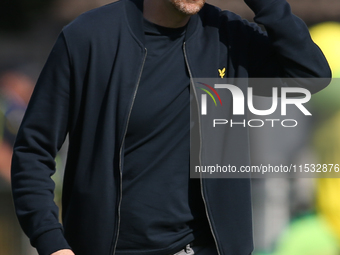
[117,82]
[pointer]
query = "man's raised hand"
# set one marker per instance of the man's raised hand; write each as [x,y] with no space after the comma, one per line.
[63,252]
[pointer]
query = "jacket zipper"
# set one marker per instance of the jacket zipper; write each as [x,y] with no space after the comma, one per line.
[121,151]
[200,150]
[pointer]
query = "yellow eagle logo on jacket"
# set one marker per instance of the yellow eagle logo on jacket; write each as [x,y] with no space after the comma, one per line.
[222,72]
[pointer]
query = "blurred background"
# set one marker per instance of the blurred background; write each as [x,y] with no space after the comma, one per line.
[295,216]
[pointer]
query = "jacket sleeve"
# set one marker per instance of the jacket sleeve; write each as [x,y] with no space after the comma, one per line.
[40,136]
[286,49]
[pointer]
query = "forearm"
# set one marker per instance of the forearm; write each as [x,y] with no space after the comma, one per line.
[291,45]
[41,134]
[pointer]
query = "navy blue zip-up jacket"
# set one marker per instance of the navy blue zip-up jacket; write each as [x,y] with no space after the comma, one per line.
[87,89]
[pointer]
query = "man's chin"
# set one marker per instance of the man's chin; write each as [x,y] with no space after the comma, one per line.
[188,7]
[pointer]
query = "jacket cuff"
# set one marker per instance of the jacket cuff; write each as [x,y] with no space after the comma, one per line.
[258,5]
[50,242]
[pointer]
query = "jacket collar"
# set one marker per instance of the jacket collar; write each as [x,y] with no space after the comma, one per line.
[134,13]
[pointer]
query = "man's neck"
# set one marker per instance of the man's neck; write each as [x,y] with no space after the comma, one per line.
[163,13]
